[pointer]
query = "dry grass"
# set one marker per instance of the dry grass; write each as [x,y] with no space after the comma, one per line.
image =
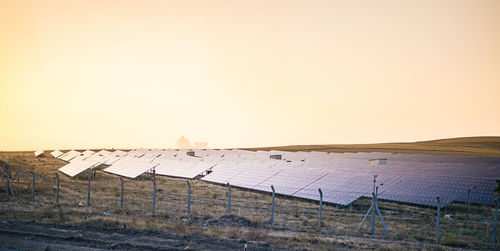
[296,221]
[468,147]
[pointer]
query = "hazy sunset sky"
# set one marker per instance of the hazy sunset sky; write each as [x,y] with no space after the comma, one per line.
[128,74]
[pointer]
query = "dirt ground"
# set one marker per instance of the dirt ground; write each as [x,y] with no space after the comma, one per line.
[43,236]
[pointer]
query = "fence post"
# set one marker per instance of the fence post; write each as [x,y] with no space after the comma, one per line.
[320,207]
[89,176]
[493,239]
[229,198]
[33,187]
[121,194]
[372,229]
[189,198]
[154,193]
[438,218]
[468,201]
[7,188]
[57,191]
[272,208]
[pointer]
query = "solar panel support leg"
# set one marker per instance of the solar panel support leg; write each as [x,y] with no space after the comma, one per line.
[493,239]
[33,187]
[361,205]
[121,194]
[228,198]
[57,191]
[154,194]
[438,218]
[189,198]
[272,207]
[320,207]
[88,190]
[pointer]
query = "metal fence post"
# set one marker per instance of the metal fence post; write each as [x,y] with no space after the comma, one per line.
[121,194]
[437,219]
[88,190]
[10,190]
[272,208]
[320,207]
[468,201]
[189,198]
[33,187]
[228,198]
[57,191]
[361,204]
[154,194]
[372,229]
[493,239]
[7,189]
[379,213]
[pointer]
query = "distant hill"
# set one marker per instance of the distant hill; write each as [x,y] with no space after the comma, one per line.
[467,146]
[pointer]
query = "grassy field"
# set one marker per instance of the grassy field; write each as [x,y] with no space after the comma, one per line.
[469,147]
[296,221]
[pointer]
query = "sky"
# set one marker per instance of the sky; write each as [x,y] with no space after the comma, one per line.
[130,74]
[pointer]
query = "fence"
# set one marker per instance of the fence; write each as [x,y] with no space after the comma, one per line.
[176,199]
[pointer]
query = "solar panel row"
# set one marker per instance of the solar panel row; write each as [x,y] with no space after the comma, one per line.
[343,177]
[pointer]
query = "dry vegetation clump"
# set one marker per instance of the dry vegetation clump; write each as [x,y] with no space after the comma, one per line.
[295,226]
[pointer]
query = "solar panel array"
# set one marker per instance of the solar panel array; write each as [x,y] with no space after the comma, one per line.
[38,153]
[343,177]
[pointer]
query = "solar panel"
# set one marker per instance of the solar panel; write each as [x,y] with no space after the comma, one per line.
[182,169]
[56,153]
[69,155]
[38,153]
[130,168]
[76,167]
